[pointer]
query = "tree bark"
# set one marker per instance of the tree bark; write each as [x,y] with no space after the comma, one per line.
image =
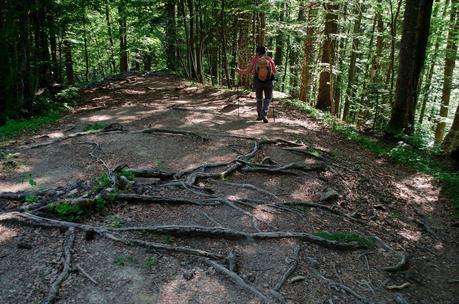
[416,25]
[124,61]
[450,62]
[68,62]
[171,35]
[306,74]
[451,142]
[325,96]
[352,64]
[110,36]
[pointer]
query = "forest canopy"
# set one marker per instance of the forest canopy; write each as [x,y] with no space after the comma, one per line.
[386,67]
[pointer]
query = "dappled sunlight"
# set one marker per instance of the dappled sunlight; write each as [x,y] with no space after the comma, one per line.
[410,235]
[101,98]
[97,118]
[201,289]
[418,189]
[306,190]
[133,92]
[56,134]
[6,233]
[263,214]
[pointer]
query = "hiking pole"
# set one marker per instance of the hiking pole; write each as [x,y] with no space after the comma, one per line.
[274,114]
[237,97]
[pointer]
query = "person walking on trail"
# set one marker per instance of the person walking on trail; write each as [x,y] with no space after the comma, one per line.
[263,69]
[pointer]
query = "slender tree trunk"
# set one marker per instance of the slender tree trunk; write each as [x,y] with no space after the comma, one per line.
[325,97]
[350,91]
[415,34]
[450,62]
[124,61]
[171,35]
[110,36]
[280,36]
[306,73]
[86,55]
[222,34]
[68,62]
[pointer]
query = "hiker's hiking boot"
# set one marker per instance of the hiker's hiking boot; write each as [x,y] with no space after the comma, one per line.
[259,118]
[265,119]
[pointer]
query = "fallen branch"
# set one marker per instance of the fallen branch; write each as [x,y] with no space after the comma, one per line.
[235,278]
[68,244]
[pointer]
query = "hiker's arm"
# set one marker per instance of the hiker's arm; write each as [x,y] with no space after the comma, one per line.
[248,70]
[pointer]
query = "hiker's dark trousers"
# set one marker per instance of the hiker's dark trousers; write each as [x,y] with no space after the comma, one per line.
[267,89]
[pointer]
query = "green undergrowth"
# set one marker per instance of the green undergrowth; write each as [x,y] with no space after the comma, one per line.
[346,237]
[68,211]
[13,128]
[408,151]
[94,127]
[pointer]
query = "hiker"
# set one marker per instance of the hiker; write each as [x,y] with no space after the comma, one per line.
[263,69]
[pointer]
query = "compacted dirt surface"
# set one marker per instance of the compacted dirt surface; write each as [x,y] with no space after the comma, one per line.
[230,210]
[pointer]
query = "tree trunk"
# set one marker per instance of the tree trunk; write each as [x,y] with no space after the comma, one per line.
[280,36]
[352,64]
[222,33]
[325,97]
[124,64]
[243,46]
[450,62]
[306,75]
[171,35]
[433,59]
[416,25]
[110,36]
[68,62]
[451,142]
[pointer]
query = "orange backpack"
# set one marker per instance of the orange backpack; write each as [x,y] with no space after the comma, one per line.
[263,69]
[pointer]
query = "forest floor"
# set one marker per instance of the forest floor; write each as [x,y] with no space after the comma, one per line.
[230,210]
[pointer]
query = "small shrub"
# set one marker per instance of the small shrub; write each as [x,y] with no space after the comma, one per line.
[124,260]
[114,221]
[151,262]
[103,182]
[69,95]
[31,198]
[67,211]
[94,127]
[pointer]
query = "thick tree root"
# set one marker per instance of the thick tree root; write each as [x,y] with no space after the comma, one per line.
[68,244]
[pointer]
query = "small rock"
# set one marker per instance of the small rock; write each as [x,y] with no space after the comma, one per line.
[251,277]
[266,285]
[329,195]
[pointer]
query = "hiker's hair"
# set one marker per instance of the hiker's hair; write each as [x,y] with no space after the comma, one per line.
[261,50]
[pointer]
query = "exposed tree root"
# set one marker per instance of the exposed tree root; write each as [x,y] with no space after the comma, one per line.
[33,220]
[235,278]
[83,272]
[315,268]
[68,244]
[275,291]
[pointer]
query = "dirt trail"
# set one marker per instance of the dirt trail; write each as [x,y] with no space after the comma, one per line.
[376,197]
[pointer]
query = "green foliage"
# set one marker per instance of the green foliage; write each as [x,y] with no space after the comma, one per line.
[14,128]
[69,95]
[157,237]
[151,262]
[114,221]
[103,182]
[94,127]
[99,203]
[124,260]
[127,174]
[67,211]
[346,237]
[32,198]
[161,165]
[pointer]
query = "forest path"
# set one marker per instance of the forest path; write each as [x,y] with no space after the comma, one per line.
[375,198]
